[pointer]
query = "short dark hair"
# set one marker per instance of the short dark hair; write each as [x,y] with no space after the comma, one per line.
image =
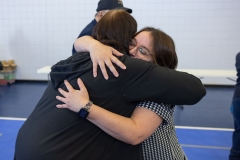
[116,29]
[163,48]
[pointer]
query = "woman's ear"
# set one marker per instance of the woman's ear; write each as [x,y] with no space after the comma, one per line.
[98,16]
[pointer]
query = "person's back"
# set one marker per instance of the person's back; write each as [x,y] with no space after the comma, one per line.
[50,133]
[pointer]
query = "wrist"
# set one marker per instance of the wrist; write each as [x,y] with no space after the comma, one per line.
[93,46]
[84,111]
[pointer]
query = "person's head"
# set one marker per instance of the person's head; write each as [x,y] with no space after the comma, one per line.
[105,5]
[154,45]
[116,29]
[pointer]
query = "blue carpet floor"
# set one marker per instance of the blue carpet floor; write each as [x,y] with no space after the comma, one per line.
[204,130]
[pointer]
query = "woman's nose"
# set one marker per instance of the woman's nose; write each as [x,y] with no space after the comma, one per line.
[133,51]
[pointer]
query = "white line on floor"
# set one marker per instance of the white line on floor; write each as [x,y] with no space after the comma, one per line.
[205,128]
[11,118]
[199,146]
[179,127]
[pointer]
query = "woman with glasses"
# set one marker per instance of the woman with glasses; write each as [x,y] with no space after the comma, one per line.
[151,123]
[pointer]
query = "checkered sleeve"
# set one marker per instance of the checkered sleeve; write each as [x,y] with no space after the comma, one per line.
[163,110]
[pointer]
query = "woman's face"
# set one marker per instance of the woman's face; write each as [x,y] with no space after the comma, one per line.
[141,46]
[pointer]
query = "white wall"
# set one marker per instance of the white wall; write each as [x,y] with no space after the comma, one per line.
[41,32]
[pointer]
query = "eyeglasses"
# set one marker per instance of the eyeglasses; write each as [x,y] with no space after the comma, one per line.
[142,50]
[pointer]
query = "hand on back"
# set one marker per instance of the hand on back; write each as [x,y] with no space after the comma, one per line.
[103,56]
[73,99]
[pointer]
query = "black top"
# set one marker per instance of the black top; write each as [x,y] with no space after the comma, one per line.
[87,31]
[52,133]
[237,86]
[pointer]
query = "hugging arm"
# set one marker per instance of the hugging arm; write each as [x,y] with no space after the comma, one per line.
[160,85]
[100,54]
[133,130]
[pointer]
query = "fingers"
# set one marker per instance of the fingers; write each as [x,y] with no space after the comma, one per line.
[61,99]
[95,65]
[81,84]
[68,85]
[64,93]
[118,62]
[104,61]
[116,53]
[103,69]
[112,68]
[61,106]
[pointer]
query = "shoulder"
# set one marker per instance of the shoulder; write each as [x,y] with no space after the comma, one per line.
[88,29]
[92,23]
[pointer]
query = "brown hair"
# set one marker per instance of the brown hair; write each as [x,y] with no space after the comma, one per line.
[116,29]
[163,48]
